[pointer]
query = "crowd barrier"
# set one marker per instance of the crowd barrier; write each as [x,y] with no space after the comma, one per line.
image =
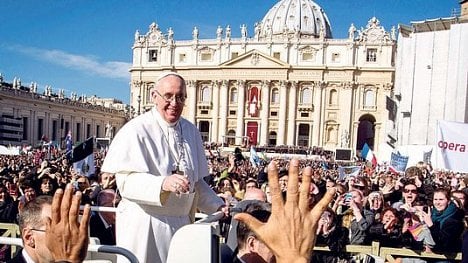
[10,231]
[388,254]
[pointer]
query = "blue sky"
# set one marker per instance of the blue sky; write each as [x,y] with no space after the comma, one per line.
[85,46]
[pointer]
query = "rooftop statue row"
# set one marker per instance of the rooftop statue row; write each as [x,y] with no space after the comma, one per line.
[372,33]
[60,94]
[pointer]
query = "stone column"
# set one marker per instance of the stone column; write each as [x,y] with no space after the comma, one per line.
[191,104]
[215,112]
[223,109]
[346,102]
[47,125]
[319,107]
[240,111]
[292,109]
[265,112]
[282,113]
[32,126]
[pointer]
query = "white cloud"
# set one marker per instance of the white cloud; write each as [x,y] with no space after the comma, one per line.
[88,64]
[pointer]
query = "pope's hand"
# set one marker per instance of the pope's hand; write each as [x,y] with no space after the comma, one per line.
[176,183]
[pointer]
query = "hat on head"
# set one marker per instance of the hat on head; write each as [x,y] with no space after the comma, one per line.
[169,73]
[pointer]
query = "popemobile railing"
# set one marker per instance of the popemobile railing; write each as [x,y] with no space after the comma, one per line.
[11,236]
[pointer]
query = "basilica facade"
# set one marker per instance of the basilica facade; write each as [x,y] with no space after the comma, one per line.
[287,82]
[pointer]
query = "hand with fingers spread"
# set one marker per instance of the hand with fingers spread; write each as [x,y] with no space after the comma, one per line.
[291,229]
[66,236]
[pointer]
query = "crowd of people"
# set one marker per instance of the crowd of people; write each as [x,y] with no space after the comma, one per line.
[421,209]
[158,173]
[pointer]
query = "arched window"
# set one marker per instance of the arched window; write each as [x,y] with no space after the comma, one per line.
[205,94]
[149,99]
[333,99]
[233,96]
[369,98]
[274,96]
[331,134]
[306,96]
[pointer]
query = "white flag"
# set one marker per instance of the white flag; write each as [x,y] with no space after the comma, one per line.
[451,144]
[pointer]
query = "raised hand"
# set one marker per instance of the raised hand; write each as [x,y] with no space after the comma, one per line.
[291,229]
[66,236]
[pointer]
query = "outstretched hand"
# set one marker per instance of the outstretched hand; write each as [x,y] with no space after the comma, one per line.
[66,236]
[290,232]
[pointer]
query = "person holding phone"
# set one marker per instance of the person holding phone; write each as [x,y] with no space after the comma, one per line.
[357,219]
[445,220]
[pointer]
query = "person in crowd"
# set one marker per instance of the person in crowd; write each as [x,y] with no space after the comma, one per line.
[330,233]
[255,194]
[47,185]
[251,183]
[356,218]
[461,197]
[375,204]
[107,181]
[416,234]
[283,180]
[386,229]
[159,163]
[266,189]
[250,248]
[339,206]
[293,216]
[425,190]
[29,194]
[51,231]
[388,190]
[102,224]
[227,193]
[8,206]
[361,184]
[410,195]
[329,182]
[445,222]
[82,185]
[224,183]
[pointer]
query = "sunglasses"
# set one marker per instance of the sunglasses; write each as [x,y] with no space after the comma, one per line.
[359,187]
[413,191]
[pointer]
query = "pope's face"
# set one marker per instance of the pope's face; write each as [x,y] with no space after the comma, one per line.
[165,96]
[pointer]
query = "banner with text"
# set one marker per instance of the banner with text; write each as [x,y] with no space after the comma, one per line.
[399,162]
[452,140]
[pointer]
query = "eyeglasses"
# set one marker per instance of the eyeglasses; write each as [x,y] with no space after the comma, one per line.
[39,230]
[413,191]
[170,98]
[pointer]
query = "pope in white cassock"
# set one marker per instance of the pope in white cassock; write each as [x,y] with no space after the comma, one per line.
[159,163]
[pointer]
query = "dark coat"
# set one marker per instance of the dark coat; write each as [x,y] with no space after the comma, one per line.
[18,258]
[448,236]
[386,239]
[97,229]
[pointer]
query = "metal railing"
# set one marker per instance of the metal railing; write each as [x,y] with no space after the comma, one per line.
[11,236]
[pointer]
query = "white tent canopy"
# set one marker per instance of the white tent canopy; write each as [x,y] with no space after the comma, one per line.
[8,151]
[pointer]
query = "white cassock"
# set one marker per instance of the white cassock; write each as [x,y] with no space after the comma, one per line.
[141,156]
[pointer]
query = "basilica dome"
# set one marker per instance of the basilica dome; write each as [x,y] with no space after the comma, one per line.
[301,18]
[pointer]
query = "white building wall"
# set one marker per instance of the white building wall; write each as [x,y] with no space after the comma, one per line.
[431,77]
